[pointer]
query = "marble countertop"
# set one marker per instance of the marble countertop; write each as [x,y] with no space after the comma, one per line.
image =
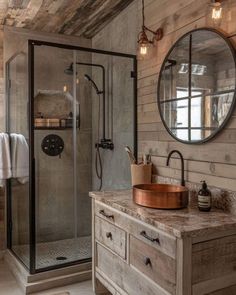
[180,223]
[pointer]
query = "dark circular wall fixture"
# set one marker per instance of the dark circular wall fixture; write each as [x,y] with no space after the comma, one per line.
[196,92]
[52,145]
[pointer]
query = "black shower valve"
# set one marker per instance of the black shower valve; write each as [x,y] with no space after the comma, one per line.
[105,144]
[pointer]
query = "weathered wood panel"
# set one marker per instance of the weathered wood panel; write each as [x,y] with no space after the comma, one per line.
[212,259]
[82,18]
[128,280]
[111,236]
[162,268]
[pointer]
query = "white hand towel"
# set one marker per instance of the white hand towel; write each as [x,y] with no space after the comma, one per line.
[20,158]
[5,160]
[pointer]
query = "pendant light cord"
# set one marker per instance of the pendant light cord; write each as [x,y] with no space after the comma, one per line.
[143,14]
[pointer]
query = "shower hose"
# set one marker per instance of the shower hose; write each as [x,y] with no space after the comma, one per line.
[98,159]
[98,166]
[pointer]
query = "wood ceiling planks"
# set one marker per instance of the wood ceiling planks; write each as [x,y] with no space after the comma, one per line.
[72,17]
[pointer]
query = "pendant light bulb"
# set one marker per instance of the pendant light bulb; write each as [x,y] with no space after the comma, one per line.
[144,46]
[143,49]
[216,12]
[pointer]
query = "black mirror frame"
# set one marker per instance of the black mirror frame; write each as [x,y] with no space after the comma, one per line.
[233,105]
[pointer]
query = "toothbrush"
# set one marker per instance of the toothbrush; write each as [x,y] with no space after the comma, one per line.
[146,159]
[131,155]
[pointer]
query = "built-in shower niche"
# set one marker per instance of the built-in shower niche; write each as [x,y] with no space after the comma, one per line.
[53,110]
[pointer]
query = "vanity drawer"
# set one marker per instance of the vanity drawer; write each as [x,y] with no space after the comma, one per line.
[153,263]
[122,277]
[107,213]
[154,238]
[110,236]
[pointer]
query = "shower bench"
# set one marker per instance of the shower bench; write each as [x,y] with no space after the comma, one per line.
[139,251]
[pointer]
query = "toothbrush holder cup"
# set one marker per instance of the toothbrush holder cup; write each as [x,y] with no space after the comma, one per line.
[141,174]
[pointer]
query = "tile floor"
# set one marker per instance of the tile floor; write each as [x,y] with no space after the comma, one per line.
[47,253]
[8,285]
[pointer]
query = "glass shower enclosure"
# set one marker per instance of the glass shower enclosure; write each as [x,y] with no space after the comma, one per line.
[68,105]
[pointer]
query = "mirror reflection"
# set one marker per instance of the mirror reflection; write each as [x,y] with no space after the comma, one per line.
[197,86]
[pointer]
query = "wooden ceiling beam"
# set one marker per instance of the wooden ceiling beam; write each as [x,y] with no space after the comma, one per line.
[71,17]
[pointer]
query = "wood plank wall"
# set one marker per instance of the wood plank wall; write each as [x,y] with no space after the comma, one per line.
[214,161]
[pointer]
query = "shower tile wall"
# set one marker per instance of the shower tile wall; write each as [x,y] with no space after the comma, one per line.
[120,91]
[120,120]
[62,196]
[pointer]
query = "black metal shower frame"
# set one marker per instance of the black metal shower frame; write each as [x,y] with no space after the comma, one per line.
[32,196]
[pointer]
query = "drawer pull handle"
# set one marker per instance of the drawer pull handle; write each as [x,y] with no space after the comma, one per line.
[109,235]
[148,261]
[102,212]
[156,240]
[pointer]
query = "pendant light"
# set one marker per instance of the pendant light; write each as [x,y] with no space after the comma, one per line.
[146,45]
[216,11]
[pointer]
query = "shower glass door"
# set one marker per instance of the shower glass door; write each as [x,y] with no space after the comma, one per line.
[17,126]
[82,108]
[62,167]
[75,110]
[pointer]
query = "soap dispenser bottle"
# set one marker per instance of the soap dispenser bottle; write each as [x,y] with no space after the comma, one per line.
[204,198]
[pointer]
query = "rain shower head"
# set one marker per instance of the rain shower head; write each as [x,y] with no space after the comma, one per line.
[87,77]
[69,70]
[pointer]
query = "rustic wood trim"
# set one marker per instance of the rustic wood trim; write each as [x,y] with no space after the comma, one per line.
[98,288]
[184,267]
[114,289]
[216,235]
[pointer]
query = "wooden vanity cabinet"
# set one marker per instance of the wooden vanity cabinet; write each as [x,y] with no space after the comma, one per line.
[131,257]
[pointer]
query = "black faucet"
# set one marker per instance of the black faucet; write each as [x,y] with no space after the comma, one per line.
[182,164]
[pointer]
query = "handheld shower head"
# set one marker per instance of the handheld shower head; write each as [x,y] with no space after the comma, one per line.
[88,78]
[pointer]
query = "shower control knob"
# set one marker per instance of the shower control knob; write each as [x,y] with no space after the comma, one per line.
[52,145]
[106,144]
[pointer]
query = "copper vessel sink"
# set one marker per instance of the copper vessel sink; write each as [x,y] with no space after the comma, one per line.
[161,196]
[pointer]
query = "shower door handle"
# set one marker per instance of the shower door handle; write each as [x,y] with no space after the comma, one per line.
[78,121]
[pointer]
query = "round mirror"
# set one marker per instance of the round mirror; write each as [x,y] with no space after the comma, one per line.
[196,87]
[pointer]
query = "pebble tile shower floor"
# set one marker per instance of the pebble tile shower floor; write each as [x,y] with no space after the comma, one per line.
[47,254]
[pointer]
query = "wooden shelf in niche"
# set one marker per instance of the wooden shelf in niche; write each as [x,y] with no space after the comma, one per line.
[53,110]
[53,123]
